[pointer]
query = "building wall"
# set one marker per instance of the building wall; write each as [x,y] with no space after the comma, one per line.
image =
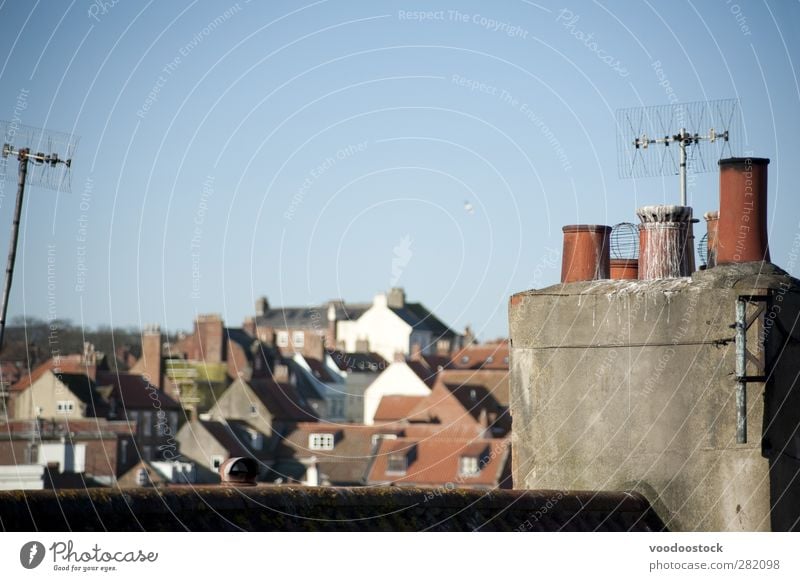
[235,404]
[397,379]
[629,385]
[386,333]
[45,393]
[196,444]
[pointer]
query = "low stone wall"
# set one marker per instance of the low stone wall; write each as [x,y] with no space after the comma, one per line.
[265,508]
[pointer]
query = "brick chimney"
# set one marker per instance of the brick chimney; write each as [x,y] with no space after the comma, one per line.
[209,335]
[151,355]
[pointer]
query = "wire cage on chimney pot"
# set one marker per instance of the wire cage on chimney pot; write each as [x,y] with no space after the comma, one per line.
[625,241]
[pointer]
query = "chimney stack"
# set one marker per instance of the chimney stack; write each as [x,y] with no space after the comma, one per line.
[712,237]
[396,299]
[664,242]
[586,252]
[262,306]
[742,234]
[209,338]
[624,268]
[151,355]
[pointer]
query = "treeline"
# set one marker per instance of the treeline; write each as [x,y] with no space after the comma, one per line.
[32,341]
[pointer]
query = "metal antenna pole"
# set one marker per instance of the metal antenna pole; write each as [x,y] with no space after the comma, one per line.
[682,143]
[12,249]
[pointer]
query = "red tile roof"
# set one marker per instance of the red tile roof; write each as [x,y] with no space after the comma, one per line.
[437,462]
[72,364]
[489,356]
[394,408]
[348,461]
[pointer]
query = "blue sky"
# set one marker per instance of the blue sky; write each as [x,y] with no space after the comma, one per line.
[309,151]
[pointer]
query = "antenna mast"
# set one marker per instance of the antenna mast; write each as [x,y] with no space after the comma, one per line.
[50,169]
[704,133]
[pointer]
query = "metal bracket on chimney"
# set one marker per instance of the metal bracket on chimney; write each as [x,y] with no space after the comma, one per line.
[743,355]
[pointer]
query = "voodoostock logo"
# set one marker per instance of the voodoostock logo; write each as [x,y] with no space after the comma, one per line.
[31,554]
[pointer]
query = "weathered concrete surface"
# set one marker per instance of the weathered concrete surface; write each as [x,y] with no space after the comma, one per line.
[286,508]
[622,385]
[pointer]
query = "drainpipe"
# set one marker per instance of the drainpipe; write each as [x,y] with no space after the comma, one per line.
[741,368]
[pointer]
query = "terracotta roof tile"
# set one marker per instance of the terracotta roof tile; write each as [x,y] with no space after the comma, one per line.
[437,462]
[396,407]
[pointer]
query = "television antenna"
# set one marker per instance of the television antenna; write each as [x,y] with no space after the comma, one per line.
[44,159]
[673,139]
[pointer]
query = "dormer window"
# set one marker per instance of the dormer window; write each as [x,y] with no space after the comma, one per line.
[321,441]
[505,359]
[464,359]
[299,339]
[397,464]
[469,466]
[489,360]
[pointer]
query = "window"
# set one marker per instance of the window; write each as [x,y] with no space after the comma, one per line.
[320,441]
[216,461]
[141,477]
[505,359]
[299,338]
[147,452]
[469,466]
[123,452]
[147,423]
[65,407]
[464,359]
[253,411]
[283,339]
[173,423]
[397,464]
[489,360]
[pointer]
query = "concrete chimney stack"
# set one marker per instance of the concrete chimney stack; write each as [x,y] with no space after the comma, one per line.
[586,252]
[742,235]
[664,242]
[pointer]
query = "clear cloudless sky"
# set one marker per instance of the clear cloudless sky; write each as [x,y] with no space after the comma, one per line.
[313,150]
